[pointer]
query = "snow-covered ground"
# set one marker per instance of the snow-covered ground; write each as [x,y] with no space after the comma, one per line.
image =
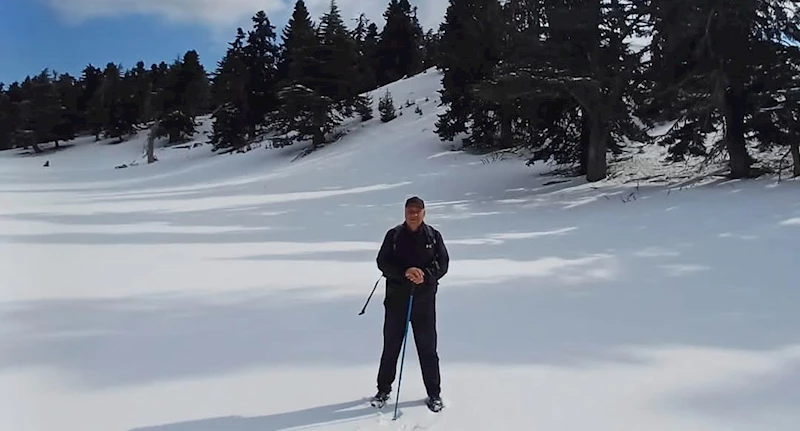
[221,293]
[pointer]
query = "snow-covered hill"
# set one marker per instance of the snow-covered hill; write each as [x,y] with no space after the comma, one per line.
[208,292]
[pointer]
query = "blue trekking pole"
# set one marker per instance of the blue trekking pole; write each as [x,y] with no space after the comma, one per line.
[403,354]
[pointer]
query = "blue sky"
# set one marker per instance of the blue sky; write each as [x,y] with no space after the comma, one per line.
[66,35]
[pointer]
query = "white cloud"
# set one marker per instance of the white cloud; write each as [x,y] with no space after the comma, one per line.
[429,12]
[225,15]
[217,14]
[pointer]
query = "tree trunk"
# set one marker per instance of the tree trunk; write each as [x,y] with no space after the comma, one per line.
[151,137]
[148,103]
[505,128]
[734,135]
[318,137]
[596,168]
[795,148]
[583,145]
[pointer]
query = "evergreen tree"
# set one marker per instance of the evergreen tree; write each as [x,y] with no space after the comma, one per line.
[42,109]
[162,87]
[92,96]
[119,106]
[365,36]
[299,39]
[370,56]
[430,49]
[261,57]
[17,101]
[364,107]
[300,67]
[142,83]
[470,49]
[571,66]
[230,78]
[386,107]
[322,84]
[340,63]
[194,86]
[602,82]
[174,114]
[728,68]
[177,126]
[245,87]
[7,123]
[69,118]
[545,119]
[399,47]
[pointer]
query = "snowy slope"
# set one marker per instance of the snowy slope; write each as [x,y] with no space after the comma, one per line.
[222,293]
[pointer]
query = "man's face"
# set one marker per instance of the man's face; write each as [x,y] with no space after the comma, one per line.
[414,215]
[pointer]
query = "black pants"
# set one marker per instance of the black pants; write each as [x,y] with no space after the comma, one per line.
[423,324]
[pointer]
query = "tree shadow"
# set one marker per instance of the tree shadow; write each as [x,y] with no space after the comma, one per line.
[552,310]
[577,287]
[768,398]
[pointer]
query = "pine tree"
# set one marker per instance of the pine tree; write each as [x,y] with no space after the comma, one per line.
[177,126]
[364,107]
[299,39]
[142,83]
[365,37]
[118,104]
[723,68]
[296,65]
[183,92]
[245,87]
[230,78]
[386,107]
[470,49]
[162,88]
[42,108]
[20,136]
[195,86]
[261,56]
[399,50]
[91,99]
[430,49]
[602,82]
[69,118]
[7,123]
[322,85]
[340,65]
[569,64]
[370,56]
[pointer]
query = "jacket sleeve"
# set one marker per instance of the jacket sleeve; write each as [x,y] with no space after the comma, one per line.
[386,264]
[438,271]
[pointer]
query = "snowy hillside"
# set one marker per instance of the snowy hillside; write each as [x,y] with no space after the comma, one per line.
[221,293]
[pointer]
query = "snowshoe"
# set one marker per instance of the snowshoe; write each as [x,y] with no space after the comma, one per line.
[379,400]
[434,404]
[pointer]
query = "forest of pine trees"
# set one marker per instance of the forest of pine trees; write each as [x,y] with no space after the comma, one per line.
[110,103]
[564,79]
[567,80]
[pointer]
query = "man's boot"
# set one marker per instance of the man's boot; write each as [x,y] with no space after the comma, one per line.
[379,400]
[434,404]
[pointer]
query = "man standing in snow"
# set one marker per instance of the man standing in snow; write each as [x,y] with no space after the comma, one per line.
[413,257]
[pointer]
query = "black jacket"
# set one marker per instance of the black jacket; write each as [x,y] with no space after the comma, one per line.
[424,249]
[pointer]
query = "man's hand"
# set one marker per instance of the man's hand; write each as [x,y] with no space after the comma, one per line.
[415,275]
